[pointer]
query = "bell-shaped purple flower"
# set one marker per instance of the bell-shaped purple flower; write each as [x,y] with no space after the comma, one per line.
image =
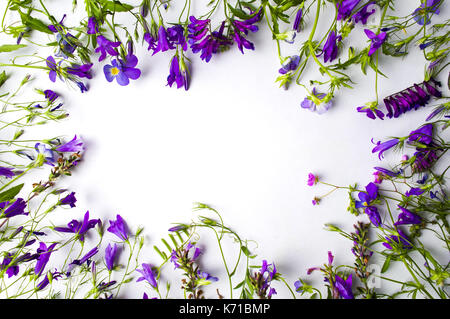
[44,253]
[297,21]
[363,14]
[402,241]
[92,27]
[164,42]
[147,275]
[407,217]
[345,8]
[422,135]
[69,200]
[75,145]
[81,71]
[177,74]
[16,208]
[79,227]
[118,227]
[383,147]
[110,256]
[330,48]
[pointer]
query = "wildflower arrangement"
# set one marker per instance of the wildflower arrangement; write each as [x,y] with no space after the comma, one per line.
[87,256]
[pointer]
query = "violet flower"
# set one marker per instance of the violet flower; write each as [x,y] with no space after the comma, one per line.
[330,48]
[69,200]
[402,241]
[105,47]
[148,275]
[122,71]
[164,42]
[75,145]
[110,256]
[118,228]
[383,147]
[177,74]
[344,287]
[151,40]
[422,14]
[86,257]
[312,179]
[176,36]
[7,172]
[49,157]
[424,159]
[57,27]
[92,27]
[290,65]
[345,8]
[242,28]
[371,113]
[16,208]
[82,71]
[44,253]
[79,227]
[363,14]
[376,40]
[317,102]
[67,45]
[407,217]
[366,199]
[297,21]
[50,95]
[12,270]
[414,191]
[51,64]
[422,135]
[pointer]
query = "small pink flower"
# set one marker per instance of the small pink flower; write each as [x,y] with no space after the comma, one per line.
[316,201]
[378,177]
[312,179]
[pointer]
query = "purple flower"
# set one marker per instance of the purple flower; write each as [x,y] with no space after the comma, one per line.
[106,47]
[242,28]
[407,217]
[148,275]
[50,95]
[370,113]
[92,27]
[122,71]
[69,200]
[206,277]
[330,48]
[345,8]
[344,287]
[176,36]
[177,74]
[376,40]
[82,71]
[86,257]
[79,227]
[110,256]
[423,135]
[424,159]
[7,172]
[118,228]
[291,64]
[75,145]
[12,270]
[316,102]
[402,240]
[51,64]
[363,14]
[57,27]
[386,171]
[164,42]
[297,21]
[312,179]
[374,215]
[50,157]
[44,253]
[67,45]
[383,147]
[414,191]
[151,40]
[421,14]
[367,197]
[16,208]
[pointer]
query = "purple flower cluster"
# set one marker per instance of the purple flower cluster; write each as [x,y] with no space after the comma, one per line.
[262,280]
[411,98]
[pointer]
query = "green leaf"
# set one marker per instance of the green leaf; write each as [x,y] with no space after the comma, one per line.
[3,78]
[34,24]
[10,193]
[116,6]
[239,13]
[11,47]
[386,264]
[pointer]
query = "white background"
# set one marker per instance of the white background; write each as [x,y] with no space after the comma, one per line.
[235,141]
